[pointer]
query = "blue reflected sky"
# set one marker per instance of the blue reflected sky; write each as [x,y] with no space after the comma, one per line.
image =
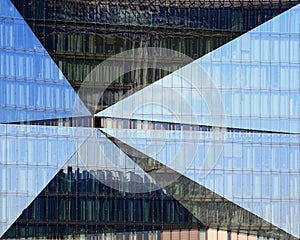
[256,77]
[250,83]
[30,157]
[260,168]
[32,87]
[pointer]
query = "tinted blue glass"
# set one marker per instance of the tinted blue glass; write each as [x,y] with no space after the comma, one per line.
[259,161]
[31,156]
[23,58]
[260,86]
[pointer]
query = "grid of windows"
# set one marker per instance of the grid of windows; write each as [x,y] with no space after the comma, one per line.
[32,86]
[218,163]
[98,30]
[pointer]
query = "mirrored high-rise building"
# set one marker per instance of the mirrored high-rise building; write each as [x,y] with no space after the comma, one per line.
[152,120]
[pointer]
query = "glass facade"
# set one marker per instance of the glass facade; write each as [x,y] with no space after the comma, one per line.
[150,120]
[79,35]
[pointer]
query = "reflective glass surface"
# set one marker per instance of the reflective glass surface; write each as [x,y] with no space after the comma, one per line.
[237,85]
[150,120]
[32,86]
[30,157]
[257,171]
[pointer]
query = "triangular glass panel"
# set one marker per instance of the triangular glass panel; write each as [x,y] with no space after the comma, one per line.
[257,171]
[251,82]
[210,208]
[30,157]
[109,165]
[98,168]
[202,31]
[32,86]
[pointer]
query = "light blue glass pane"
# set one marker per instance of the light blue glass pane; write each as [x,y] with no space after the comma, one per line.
[194,100]
[266,80]
[28,75]
[99,154]
[261,161]
[30,157]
